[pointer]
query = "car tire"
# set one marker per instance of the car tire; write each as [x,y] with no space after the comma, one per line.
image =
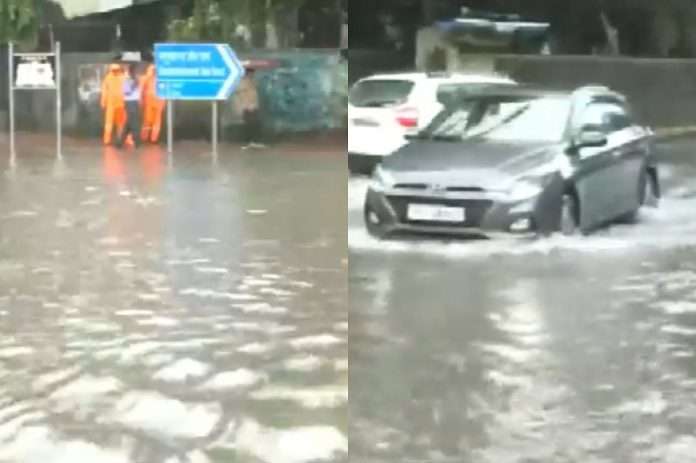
[569,224]
[648,191]
[647,197]
[374,230]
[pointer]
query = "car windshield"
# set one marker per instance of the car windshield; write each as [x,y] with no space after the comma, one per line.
[379,93]
[450,94]
[502,118]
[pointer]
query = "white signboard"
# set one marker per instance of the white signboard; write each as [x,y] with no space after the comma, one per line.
[35,71]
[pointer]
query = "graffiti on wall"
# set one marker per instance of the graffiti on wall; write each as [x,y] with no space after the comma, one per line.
[308,92]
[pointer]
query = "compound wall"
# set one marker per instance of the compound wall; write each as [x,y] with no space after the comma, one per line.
[663,91]
[307,93]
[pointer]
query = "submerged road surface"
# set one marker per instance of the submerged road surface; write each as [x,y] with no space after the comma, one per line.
[560,350]
[173,312]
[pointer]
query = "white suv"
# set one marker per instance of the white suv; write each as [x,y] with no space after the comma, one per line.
[383,109]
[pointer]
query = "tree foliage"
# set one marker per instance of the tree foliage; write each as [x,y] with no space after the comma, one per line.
[218,19]
[18,22]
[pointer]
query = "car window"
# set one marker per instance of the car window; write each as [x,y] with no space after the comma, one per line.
[379,93]
[604,117]
[452,93]
[618,118]
[504,118]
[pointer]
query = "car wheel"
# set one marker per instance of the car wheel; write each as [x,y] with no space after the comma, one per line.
[569,225]
[648,191]
[374,229]
[647,197]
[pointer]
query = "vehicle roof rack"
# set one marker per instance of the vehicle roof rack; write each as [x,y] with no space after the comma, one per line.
[438,74]
[594,88]
[601,92]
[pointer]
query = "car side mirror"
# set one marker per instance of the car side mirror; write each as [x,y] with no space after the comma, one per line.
[589,138]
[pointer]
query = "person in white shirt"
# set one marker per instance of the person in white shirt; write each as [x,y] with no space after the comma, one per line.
[131,92]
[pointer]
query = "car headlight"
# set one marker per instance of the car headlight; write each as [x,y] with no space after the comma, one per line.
[527,188]
[381,179]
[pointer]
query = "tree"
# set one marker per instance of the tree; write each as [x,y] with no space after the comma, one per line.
[219,20]
[19,22]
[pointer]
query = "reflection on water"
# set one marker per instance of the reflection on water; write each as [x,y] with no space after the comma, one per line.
[590,362]
[146,316]
[550,351]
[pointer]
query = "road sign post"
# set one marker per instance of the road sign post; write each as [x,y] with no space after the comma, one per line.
[34,71]
[10,66]
[170,127]
[59,104]
[196,72]
[215,127]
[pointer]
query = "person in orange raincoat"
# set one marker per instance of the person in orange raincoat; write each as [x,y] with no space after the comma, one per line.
[153,107]
[113,103]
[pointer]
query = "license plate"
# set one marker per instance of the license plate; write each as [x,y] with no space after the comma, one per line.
[429,213]
[360,122]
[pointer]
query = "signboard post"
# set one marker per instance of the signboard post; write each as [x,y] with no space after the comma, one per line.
[59,103]
[10,66]
[35,71]
[196,72]
[170,127]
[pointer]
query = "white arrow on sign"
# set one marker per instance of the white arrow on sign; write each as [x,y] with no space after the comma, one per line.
[236,71]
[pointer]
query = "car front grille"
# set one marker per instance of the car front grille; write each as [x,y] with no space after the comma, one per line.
[411,186]
[464,189]
[475,209]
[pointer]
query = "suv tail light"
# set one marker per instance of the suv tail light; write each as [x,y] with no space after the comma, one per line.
[407,117]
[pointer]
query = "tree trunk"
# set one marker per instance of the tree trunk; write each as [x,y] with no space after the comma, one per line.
[684,19]
[287,26]
[665,32]
[429,11]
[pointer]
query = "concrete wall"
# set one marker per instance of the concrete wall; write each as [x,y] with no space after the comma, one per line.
[663,92]
[307,93]
[363,63]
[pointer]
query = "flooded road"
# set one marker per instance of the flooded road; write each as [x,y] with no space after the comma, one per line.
[180,312]
[559,350]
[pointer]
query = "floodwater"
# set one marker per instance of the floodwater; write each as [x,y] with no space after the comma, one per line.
[173,310]
[558,350]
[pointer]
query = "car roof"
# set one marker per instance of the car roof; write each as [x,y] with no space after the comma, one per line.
[443,77]
[588,91]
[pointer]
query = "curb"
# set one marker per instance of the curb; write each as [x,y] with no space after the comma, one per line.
[672,132]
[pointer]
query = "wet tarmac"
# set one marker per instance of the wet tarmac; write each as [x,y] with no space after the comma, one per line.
[157,310]
[559,350]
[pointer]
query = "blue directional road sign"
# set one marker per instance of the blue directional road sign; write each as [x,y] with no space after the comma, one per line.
[203,71]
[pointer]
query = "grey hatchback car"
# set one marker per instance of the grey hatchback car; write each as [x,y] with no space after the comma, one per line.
[518,162]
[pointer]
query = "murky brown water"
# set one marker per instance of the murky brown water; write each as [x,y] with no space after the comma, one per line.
[173,312]
[562,350]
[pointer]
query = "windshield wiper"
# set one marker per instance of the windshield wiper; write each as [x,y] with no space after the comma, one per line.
[509,118]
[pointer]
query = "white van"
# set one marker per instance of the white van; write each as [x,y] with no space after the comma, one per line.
[383,109]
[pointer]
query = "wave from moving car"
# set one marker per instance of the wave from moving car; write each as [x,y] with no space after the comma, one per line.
[518,161]
[383,109]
